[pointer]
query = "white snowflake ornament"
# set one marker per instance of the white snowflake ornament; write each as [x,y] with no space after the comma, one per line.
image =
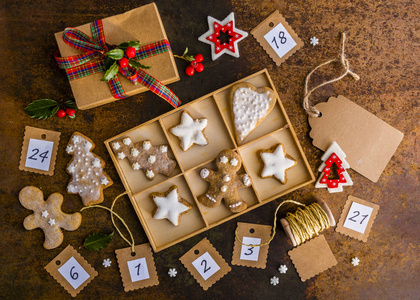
[106,263]
[274,280]
[314,41]
[355,261]
[172,272]
[283,269]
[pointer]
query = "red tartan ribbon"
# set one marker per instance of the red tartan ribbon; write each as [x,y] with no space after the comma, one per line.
[91,61]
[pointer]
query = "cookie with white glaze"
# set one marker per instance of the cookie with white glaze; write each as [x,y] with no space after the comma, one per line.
[275,163]
[190,131]
[170,205]
[249,106]
[87,170]
[144,156]
[225,182]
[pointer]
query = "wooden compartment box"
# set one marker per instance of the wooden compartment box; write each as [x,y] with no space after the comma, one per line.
[275,128]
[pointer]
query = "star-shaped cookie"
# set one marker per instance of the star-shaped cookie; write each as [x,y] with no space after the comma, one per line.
[276,162]
[143,155]
[223,36]
[170,205]
[190,131]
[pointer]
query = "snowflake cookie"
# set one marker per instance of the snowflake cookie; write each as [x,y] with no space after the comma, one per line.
[190,131]
[143,155]
[276,162]
[88,178]
[47,215]
[223,36]
[225,183]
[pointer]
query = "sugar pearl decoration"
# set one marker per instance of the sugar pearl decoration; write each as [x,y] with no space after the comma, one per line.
[204,173]
[226,178]
[223,188]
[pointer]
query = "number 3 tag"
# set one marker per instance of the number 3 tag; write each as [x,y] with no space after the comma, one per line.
[205,264]
[71,270]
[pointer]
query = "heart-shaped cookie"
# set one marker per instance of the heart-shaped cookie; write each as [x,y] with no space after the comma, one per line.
[250,106]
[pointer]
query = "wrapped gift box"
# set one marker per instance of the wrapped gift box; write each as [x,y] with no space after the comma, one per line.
[142,24]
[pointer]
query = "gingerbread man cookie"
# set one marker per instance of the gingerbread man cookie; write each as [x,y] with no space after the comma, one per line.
[143,155]
[87,170]
[225,183]
[47,215]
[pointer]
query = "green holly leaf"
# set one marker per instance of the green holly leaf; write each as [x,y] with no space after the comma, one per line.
[97,241]
[42,108]
[111,72]
[135,64]
[135,45]
[115,54]
[185,52]
[108,62]
[71,104]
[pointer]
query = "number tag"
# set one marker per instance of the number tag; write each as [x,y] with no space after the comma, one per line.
[138,269]
[250,253]
[206,265]
[280,40]
[74,273]
[39,154]
[358,217]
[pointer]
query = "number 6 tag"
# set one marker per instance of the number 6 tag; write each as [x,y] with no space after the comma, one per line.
[205,264]
[71,270]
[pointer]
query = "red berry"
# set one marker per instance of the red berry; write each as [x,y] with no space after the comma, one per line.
[123,62]
[189,71]
[198,57]
[199,68]
[130,52]
[70,112]
[194,64]
[61,113]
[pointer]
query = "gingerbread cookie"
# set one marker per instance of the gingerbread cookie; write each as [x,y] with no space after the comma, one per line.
[225,183]
[276,162]
[87,170]
[47,215]
[250,106]
[190,131]
[143,155]
[170,205]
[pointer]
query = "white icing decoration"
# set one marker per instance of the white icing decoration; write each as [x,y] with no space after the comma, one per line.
[246,180]
[135,166]
[234,162]
[96,163]
[104,180]
[245,105]
[51,222]
[169,207]
[146,145]
[211,198]
[150,174]
[72,188]
[151,159]
[121,155]
[75,139]
[224,159]
[87,145]
[190,131]
[127,141]
[116,146]
[226,178]
[163,149]
[223,188]
[204,173]
[69,149]
[45,214]
[235,204]
[134,152]
[71,169]
[276,163]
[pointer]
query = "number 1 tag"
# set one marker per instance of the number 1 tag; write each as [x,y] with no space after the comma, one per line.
[71,270]
[357,218]
[205,264]
[39,150]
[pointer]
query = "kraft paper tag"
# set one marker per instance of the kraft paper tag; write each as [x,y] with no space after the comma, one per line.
[205,264]
[251,234]
[277,37]
[368,142]
[312,257]
[137,269]
[357,218]
[71,270]
[39,150]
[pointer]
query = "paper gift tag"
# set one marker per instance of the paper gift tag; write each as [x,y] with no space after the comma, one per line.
[71,270]
[251,234]
[368,142]
[312,257]
[205,264]
[277,37]
[39,150]
[137,269]
[357,218]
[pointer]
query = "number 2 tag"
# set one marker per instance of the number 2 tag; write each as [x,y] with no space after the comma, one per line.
[357,218]
[205,264]
[71,270]
[39,150]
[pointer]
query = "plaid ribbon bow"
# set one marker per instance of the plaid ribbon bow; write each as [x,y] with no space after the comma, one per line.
[91,61]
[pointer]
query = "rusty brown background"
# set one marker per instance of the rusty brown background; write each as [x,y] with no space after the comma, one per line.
[382,47]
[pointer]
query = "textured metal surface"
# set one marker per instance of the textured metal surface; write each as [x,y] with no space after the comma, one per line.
[383,48]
